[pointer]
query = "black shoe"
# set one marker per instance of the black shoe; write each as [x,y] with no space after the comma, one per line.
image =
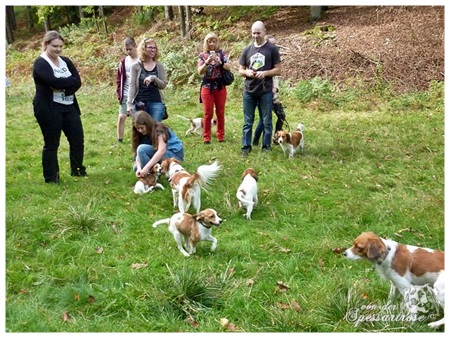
[266,149]
[52,181]
[207,142]
[244,153]
[80,173]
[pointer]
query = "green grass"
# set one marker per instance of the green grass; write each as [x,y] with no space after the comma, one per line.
[71,248]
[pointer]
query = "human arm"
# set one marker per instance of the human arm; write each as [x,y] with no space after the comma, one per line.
[134,86]
[158,156]
[43,72]
[160,81]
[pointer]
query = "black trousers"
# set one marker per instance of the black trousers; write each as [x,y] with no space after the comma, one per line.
[64,119]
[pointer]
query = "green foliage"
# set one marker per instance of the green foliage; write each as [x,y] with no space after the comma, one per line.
[315,89]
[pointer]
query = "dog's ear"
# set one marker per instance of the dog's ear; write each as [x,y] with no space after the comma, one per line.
[376,250]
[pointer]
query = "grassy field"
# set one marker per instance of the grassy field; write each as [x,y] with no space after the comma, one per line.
[82,256]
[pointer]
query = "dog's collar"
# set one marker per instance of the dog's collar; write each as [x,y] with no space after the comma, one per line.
[206,226]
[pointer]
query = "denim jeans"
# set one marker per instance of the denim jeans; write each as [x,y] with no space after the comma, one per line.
[264,104]
[145,152]
[155,109]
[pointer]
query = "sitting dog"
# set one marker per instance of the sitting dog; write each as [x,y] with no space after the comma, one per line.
[247,193]
[196,124]
[150,182]
[186,188]
[403,265]
[291,142]
[194,228]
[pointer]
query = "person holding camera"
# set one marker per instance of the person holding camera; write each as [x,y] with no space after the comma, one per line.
[213,92]
[123,84]
[147,80]
[258,63]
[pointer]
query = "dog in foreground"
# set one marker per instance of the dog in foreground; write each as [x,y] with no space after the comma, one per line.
[150,182]
[196,124]
[291,142]
[193,228]
[405,266]
[186,187]
[247,193]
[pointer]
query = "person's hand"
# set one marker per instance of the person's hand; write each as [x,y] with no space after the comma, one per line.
[260,75]
[148,80]
[142,173]
[250,73]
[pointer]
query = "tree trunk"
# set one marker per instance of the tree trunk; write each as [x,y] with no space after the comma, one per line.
[30,23]
[189,21]
[316,13]
[102,17]
[182,21]
[9,24]
[80,10]
[168,13]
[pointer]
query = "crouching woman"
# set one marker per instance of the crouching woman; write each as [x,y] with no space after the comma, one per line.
[152,141]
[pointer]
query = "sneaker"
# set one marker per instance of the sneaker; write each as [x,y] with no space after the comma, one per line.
[265,150]
[207,142]
[244,153]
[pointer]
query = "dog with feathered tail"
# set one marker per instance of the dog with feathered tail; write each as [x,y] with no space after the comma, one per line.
[186,187]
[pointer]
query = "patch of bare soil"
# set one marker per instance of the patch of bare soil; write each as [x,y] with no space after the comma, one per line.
[403,45]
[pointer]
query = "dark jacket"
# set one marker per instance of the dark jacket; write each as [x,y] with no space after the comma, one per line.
[44,81]
[121,79]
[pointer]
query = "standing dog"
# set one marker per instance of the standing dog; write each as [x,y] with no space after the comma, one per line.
[196,124]
[403,265]
[186,188]
[150,182]
[291,142]
[194,228]
[247,193]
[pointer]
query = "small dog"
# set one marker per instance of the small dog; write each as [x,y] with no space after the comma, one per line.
[196,124]
[247,193]
[194,228]
[150,182]
[186,188]
[403,265]
[291,142]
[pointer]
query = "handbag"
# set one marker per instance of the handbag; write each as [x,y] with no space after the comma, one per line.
[166,116]
[227,76]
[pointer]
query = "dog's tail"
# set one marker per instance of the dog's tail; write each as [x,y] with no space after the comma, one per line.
[300,127]
[163,221]
[240,196]
[183,117]
[202,177]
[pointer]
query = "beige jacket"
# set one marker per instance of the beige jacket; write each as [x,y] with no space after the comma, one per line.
[160,81]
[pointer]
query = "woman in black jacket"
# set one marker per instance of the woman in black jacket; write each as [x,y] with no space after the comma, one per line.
[56,108]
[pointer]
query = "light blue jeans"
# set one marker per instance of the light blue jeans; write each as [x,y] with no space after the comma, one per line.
[155,109]
[264,104]
[145,152]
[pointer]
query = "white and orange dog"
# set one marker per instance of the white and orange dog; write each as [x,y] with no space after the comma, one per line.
[291,142]
[196,124]
[247,193]
[150,182]
[193,228]
[186,187]
[405,266]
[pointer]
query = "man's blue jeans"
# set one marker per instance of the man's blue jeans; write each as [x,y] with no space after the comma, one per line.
[264,104]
